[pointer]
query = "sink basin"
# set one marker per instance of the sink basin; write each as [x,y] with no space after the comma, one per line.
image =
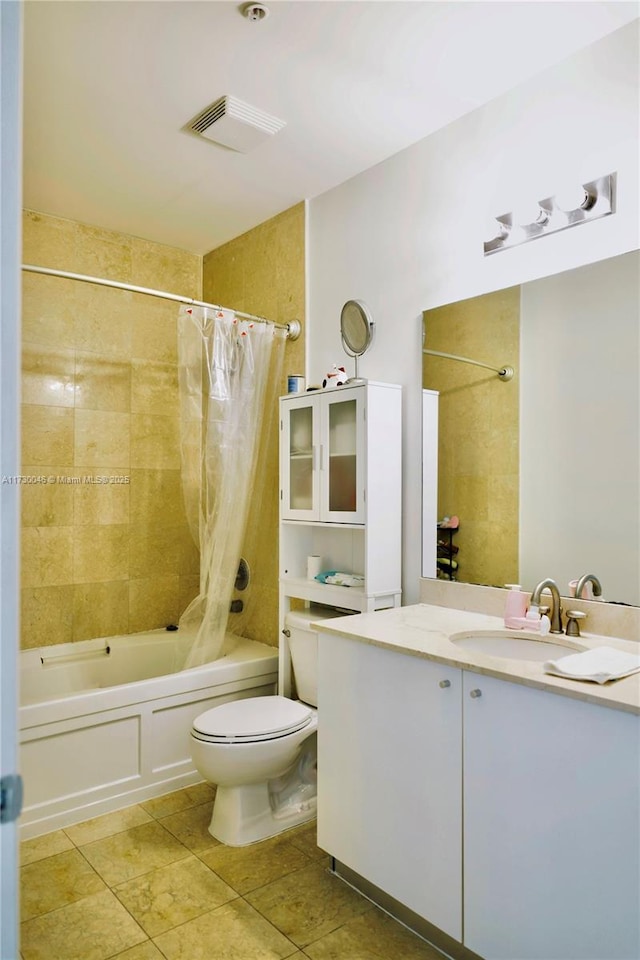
[516,646]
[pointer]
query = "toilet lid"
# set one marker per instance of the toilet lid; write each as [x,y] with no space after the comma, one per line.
[256,718]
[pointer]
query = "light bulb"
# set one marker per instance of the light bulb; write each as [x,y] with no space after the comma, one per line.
[572,197]
[529,212]
[495,229]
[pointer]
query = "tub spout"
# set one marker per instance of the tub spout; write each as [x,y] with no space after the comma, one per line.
[556,608]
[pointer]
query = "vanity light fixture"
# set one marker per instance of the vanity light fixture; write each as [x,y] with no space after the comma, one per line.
[570,206]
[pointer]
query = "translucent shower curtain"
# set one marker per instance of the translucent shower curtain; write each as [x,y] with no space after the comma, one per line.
[229,372]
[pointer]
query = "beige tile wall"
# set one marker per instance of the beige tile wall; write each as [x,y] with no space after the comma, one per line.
[478,442]
[263,272]
[100,398]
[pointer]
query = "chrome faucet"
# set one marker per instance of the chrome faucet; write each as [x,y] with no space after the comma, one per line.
[597,586]
[556,609]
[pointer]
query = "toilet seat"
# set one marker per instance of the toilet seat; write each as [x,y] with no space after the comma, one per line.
[251,720]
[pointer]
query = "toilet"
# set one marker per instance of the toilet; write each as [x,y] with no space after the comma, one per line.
[261,752]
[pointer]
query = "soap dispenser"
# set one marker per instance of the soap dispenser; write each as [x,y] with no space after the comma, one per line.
[517,602]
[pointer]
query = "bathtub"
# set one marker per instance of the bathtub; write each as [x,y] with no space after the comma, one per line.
[105,723]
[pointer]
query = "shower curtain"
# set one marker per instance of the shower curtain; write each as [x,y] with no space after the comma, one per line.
[229,374]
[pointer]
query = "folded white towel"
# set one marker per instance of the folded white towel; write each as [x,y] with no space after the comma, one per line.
[599,665]
[345,579]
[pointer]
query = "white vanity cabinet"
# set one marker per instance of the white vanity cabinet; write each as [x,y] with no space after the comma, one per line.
[389,799]
[507,816]
[551,825]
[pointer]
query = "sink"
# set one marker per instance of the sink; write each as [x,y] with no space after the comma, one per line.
[516,646]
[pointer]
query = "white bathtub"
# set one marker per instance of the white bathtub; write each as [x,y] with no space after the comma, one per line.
[102,730]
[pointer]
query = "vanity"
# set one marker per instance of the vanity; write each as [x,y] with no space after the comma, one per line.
[492,807]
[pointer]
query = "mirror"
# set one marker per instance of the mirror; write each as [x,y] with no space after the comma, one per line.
[356,331]
[542,471]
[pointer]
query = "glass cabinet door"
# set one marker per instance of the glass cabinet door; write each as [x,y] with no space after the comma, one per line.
[322,457]
[301,459]
[298,471]
[343,496]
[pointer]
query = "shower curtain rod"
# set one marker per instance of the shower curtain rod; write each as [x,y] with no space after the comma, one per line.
[505,373]
[293,327]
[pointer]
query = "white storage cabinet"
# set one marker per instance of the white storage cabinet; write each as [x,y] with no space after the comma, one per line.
[340,498]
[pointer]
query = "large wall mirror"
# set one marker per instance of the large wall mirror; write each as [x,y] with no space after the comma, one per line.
[542,471]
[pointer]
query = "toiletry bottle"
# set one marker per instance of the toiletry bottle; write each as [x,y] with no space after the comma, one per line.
[517,602]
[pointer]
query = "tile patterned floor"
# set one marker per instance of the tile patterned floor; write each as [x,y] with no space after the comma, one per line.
[150,883]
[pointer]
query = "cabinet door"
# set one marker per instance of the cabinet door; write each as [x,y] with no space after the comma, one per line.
[389,774]
[299,448]
[551,826]
[342,457]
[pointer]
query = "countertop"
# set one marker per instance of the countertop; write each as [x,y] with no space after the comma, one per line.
[422,630]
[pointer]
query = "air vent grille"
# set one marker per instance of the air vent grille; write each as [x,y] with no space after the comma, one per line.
[235,124]
[209,116]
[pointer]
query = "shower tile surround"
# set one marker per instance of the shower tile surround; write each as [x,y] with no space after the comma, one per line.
[150,883]
[100,398]
[263,272]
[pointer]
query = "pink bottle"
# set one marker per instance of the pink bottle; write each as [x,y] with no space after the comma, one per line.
[516,604]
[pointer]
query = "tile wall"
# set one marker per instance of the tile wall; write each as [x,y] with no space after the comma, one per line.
[100,400]
[263,272]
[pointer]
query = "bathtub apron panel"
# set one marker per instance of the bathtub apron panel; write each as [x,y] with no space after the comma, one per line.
[88,752]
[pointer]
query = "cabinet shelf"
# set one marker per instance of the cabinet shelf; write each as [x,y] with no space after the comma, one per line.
[332,595]
[446,553]
[323,524]
[327,593]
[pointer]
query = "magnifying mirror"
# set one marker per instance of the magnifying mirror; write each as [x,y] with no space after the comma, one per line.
[356,330]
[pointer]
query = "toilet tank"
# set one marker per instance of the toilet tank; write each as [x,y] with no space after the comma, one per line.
[303,644]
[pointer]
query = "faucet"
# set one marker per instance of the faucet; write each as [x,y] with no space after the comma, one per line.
[597,586]
[556,609]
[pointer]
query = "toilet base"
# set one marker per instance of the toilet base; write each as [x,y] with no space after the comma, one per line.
[243,815]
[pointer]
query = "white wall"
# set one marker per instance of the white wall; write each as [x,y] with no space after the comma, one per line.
[582,419]
[407,234]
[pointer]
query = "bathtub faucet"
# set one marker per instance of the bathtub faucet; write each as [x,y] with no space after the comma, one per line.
[556,609]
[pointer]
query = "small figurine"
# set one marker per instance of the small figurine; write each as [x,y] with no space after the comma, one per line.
[335,378]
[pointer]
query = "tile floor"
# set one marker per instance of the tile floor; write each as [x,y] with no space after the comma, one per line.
[150,883]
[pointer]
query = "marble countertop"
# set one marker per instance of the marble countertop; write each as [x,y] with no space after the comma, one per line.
[422,630]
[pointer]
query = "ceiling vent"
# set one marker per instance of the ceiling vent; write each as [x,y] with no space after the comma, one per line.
[235,124]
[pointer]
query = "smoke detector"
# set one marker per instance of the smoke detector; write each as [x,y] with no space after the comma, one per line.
[235,124]
[255,11]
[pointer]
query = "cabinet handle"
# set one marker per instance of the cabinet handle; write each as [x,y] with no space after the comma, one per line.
[475,694]
[445,683]
[287,633]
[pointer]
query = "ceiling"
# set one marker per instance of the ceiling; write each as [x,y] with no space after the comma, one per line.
[109,87]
